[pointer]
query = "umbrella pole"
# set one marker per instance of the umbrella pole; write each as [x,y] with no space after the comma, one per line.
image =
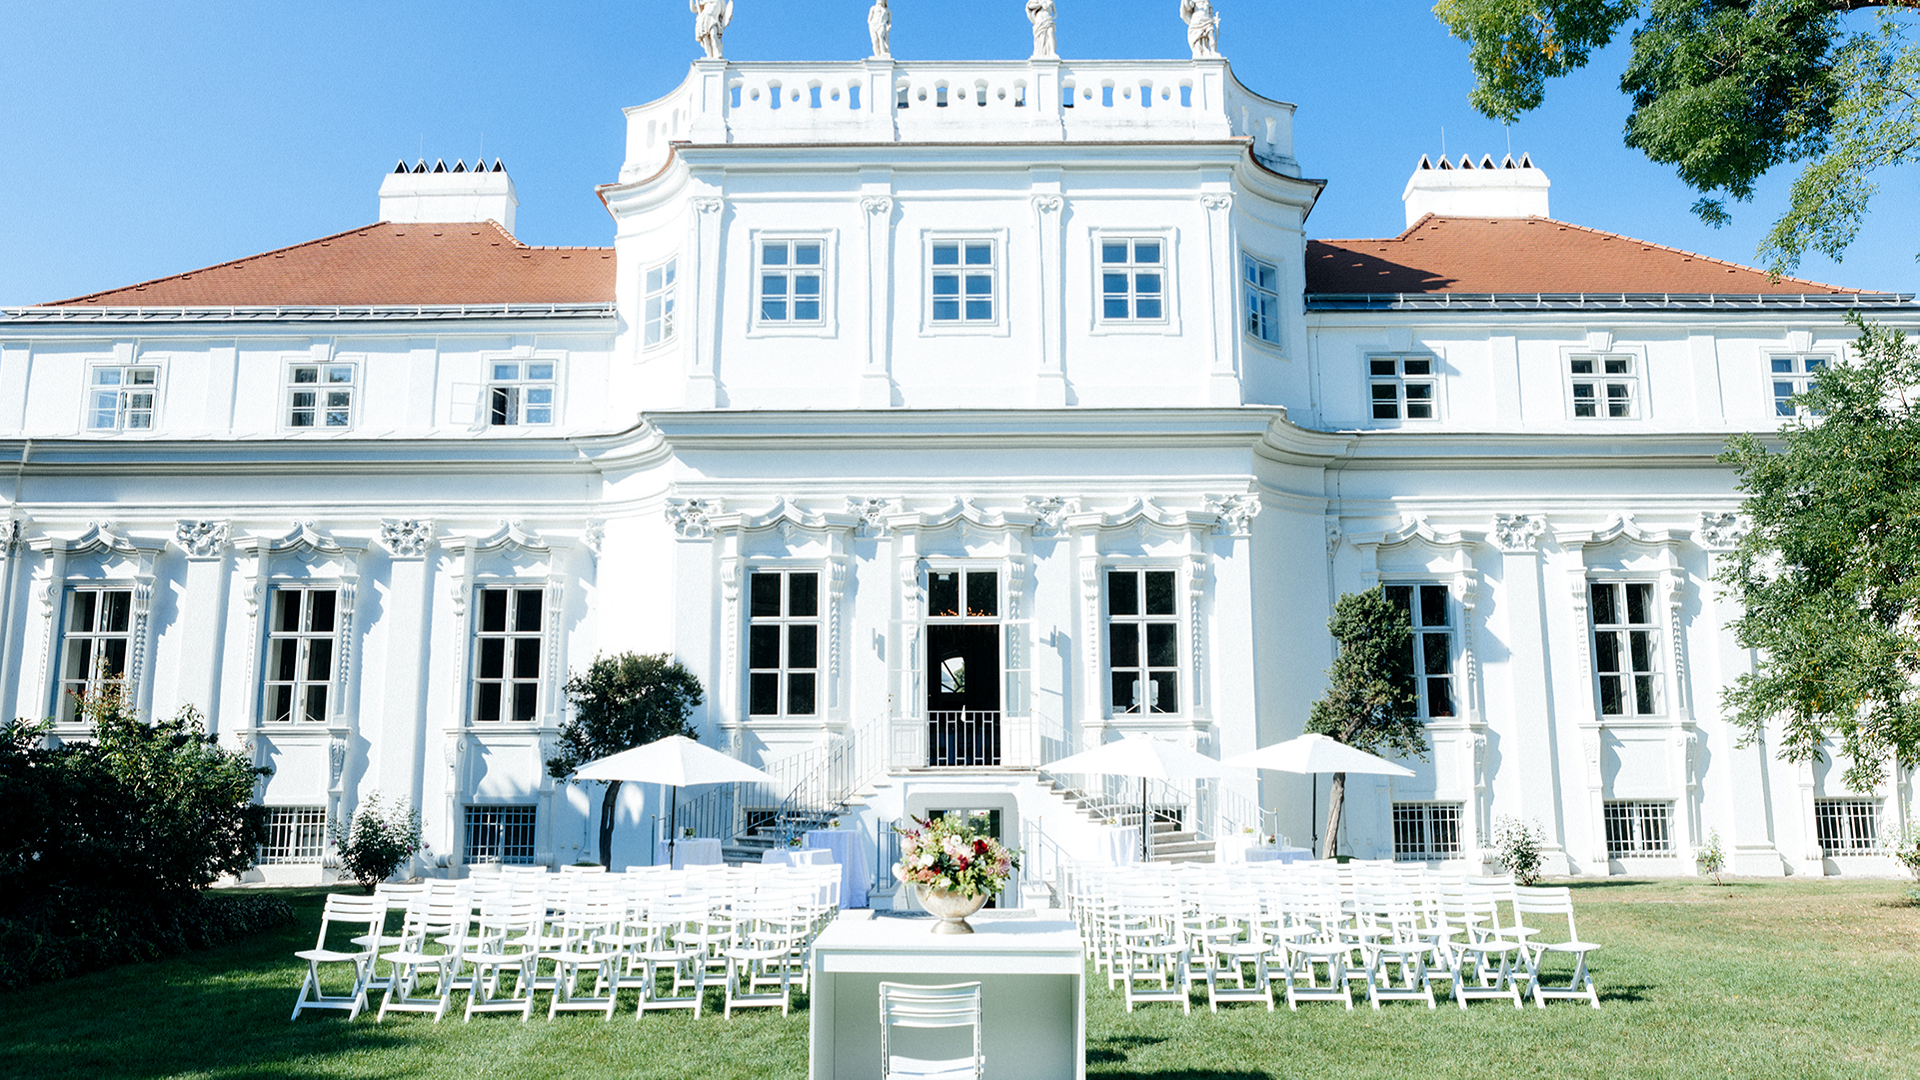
[1313,818]
[1144,824]
[673,822]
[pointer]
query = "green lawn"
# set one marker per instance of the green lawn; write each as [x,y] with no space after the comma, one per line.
[1785,979]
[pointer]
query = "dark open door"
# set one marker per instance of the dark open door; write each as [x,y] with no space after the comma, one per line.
[963,695]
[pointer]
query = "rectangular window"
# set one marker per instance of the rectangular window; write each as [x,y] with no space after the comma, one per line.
[121,398]
[792,281]
[300,654]
[508,641]
[961,281]
[979,590]
[1143,640]
[97,635]
[295,835]
[1626,648]
[520,392]
[1847,826]
[1133,285]
[783,643]
[1794,375]
[1402,387]
[660,293]
[1604,386]
[1428,661]
[1263,299]
[1639,828]
[500,834]
[1426,831]
[320,395]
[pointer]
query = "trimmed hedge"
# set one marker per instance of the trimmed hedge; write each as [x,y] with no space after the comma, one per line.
[77,933]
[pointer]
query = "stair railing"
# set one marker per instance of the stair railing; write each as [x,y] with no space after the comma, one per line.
[820,782]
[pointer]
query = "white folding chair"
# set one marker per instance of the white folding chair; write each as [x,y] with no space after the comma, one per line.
[367,914]
[584,925]
[1234,937]
[955,1005]
[764,937]
[1554,902]
[1315,936]
[1153,950]
[1486,965]
[1393,939]
[672,949]
[431,942]
[506,944]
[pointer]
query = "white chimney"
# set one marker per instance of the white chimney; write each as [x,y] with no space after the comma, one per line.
[441,194]
[1507,189]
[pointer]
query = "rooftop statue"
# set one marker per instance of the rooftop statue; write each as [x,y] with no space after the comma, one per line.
[1203,28]
[880,28]
[710,22]
[1041,13]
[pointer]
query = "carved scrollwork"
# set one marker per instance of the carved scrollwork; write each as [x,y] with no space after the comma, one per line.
[692,519]
[709,205]
[1051,512]
[877,205]
[872,512]
[407,539]
[202,539]
[1217,201]
[1517,532]
[1048,204]
[1722,532]
[1236,513]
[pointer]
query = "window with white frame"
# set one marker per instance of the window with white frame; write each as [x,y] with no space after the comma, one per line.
[295,835]
[1402,387]
[962,282]
[1133,282]
[520,392]
[1262,281]
[1793,375]
[793,282]
[1626,654]
[1847,826]
[661,291]
[122,398]
[320,395]
[1424,831]
[1639,828]
[1604,386]
[1143,640]
[509,639]
[500,834]
[97,636]
[969,594]
[300,654]
[1429,657]
[783,643]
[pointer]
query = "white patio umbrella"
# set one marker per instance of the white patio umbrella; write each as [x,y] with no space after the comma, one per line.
[1149,759]
[1317,754]
[676,762]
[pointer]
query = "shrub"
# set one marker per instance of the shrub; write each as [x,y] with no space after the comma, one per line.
[1518,846]
[1905,847]
[75,932]
[1712,857]
[382,838]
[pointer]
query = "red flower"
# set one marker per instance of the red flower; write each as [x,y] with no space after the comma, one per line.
[979,847]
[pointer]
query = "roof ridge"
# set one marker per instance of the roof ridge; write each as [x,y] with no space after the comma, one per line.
[214,266]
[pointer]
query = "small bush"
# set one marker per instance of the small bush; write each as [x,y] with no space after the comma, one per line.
[74,932]
[382,838]
[1519,847]
[1712,857]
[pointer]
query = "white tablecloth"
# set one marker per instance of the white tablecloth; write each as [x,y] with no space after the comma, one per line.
[1121,845]
[1234,847]
[1278,854]
[797,857]
[699,851]
[852,857]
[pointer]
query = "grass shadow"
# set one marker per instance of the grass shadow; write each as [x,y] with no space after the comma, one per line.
[1114,1048]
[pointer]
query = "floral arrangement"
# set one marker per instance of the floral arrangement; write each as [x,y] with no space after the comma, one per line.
[955,855]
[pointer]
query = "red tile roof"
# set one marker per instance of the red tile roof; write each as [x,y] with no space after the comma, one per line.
[1528,255]
[385,264]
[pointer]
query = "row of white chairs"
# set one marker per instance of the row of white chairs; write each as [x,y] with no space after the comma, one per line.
[1313,931]
[580,938]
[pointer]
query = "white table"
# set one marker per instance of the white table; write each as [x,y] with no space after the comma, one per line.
[1033,992]
[1233,848]
[1277,854]
[698,851]
[797,857]
[1120,845]
[852,857]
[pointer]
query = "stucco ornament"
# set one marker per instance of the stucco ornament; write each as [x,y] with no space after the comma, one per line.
[691,517]
[1040,13]
[710,20]
[1722,531]
[408,539]
[880,29]
[1203,28]
[1518,532]
[202,539]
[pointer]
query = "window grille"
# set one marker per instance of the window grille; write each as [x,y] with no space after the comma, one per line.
[660,295]
[792,281]
[300,652]
[1847,826]
[1604,386]
[508,646]
[1639,828]
[520,392]
[1402,387]
[1794,375]
[500,834]
[783,643]
[1143,640]
[1428,661]
[97,636]
[1262,280]
[1133,280]
[320,395]
[1426,831]
[295,835]
[961,281]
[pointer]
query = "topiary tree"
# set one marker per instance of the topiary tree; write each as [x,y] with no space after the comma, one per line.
[621,702]
[1370,703]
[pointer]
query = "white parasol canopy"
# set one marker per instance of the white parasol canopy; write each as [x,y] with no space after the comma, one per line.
[1316,754]
[675,761]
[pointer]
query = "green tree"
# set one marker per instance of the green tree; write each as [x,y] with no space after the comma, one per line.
[1724,90]
[1828,574]
[1370,703]
[621,702]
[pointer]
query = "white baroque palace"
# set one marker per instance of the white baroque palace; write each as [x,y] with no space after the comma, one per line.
[945,419]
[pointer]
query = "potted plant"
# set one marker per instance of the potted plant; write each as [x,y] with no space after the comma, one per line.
[954,866]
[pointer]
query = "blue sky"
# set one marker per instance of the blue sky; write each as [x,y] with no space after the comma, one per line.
[143,139]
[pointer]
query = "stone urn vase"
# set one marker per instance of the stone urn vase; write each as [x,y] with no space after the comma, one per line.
[950,908]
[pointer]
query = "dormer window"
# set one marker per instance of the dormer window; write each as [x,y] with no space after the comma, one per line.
[520,393]
[1604,386]
[122,398]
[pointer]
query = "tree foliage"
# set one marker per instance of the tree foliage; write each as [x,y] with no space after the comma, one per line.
[1724,90]
[1370,703]
[382,837]
[621,702]
[1829,572]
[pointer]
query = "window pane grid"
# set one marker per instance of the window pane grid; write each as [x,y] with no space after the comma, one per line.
[1847,826]
[1402,387]
[962,277]
[659,301]
[1143,641]
[1262,281]
[508,645]
[1626,649]
[1426,831]
[1428,660]
[1791,376]
[98,632]
[300,655]
[500,834]
[792,276]
[1604,386]
[783,643]
[295,835]
[1639,828]
[320,395]
[520,392]
[1133,280]
[122,398]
